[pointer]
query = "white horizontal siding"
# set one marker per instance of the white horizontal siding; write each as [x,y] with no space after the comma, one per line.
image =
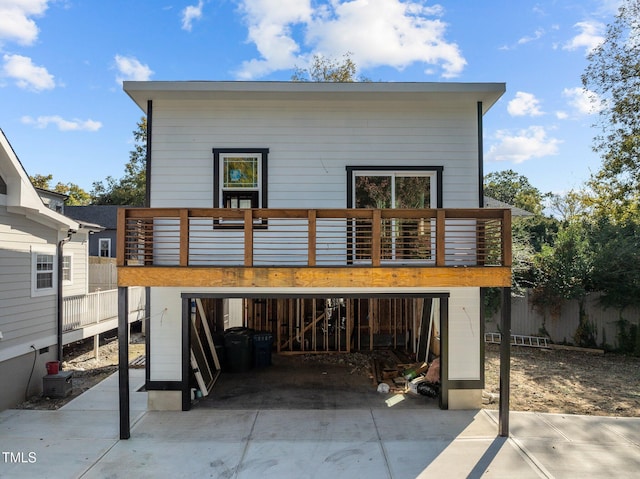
[464,334]
[165,335]
[310,145]
[77,249]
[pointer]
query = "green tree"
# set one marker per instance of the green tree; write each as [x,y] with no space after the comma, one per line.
[512,188]
[564,273]
[129,190]
[76,195]
[613,73]
[616,261]
[324,69]
[569,207]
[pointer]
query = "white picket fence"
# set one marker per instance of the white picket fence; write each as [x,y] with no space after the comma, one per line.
[86,310]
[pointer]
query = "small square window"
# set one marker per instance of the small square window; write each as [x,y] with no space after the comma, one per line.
[104,247]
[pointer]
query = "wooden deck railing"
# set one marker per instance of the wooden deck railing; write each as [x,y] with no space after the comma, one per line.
[313,237]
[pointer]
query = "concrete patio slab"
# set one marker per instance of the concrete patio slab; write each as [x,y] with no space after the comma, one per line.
[81,440]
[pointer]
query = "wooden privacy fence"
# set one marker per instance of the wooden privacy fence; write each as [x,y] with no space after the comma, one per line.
[527,321]
[103,273]
[313,237]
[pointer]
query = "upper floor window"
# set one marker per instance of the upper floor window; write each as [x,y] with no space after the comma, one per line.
[240,178]
[104,247]
[3,186]
[399,187]
[406,239]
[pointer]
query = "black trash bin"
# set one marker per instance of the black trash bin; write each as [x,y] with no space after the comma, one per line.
[262,346]
[238,346]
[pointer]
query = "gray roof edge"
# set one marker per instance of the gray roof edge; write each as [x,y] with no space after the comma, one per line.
[317,87]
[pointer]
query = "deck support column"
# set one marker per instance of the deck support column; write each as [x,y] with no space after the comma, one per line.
[123,362]
[505,363]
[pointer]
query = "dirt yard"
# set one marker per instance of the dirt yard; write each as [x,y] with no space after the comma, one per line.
[572,382]
[88,371]
[542,380]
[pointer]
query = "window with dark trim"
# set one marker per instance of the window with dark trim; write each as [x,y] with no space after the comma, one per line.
[3,186]
[388,188]
[395,176]
[240,179]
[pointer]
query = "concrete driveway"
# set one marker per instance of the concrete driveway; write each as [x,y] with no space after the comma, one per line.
[81,440]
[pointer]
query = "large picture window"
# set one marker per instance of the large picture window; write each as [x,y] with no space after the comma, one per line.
[398,188]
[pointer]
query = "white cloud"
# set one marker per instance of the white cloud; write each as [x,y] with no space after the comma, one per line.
[524,104]
[26,74]
[584,102]
[16,23]
[191,13]
[562,115]
[62,124]
[523,145]
[270,24]
[130,68]
[536,36]
[590,36]
[395,33]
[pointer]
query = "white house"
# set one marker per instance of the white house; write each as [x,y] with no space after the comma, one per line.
[42,253]
[294,194]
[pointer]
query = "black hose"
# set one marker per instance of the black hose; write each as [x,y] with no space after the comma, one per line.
[33,366]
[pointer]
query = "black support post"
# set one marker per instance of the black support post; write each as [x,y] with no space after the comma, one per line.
[505,363]
[123,362]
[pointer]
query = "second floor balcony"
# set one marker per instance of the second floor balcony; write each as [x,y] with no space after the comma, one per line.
[314,247]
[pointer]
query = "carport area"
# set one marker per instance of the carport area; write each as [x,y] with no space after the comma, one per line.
[323,352]
[307,382]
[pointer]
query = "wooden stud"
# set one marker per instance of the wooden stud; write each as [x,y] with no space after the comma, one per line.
[314,344]
[371,322]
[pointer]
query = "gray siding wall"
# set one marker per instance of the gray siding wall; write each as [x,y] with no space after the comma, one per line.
[24,320]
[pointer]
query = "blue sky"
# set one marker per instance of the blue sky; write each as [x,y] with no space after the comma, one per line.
[62,63]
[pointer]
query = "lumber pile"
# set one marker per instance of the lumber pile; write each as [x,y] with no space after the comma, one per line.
[403,376]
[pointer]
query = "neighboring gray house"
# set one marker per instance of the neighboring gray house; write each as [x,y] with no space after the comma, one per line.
[52,199]
[102,244]
[43,256]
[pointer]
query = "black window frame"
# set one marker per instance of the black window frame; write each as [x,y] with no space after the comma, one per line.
[436,169]
[260,196]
